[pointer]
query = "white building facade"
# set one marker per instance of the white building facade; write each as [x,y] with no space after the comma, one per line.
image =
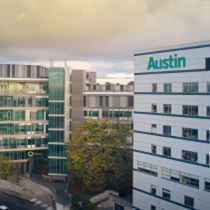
[172,128]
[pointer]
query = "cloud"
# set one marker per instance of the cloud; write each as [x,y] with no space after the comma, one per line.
[98,35]
[120,76]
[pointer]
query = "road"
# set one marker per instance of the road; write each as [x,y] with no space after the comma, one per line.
[16,203]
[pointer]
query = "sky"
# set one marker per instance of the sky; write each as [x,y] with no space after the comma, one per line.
[100,35]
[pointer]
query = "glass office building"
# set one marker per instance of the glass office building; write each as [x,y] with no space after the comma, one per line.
[58,118]
[40,108]
[24,114]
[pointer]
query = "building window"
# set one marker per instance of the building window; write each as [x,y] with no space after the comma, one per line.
[167,87]
[167,108]
[153,189]
[190,156]
[154,87]
[207,136]
[208,111]
[154,128]
[190,110]
[190,133]
[180,177]
[166,194]
[118,207]
[147,168]
[130,101]
[188,201]
[153,148]
[207,159]
[154,107]
[190,87]
[208,87]
[167,151]
[167,130]
[152,207]
[208,63]
[207,184]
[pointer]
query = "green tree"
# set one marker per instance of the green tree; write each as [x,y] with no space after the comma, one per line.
[99,155]
[80,203]
[6,167]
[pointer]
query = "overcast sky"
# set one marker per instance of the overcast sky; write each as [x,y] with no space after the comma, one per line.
[100,35]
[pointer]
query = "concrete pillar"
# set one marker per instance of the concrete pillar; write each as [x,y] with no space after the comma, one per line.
[24,167]
[30,165]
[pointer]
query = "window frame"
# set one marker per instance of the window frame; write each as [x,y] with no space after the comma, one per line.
[166,194]
[190,156]
[154,148]
[167,87]
[167,108]
[166,154]
[188,200]
[154,87]
[167,130]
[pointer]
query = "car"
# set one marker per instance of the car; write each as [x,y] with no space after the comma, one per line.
[3,208]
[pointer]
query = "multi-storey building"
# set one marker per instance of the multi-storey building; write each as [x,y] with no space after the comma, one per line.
[171,128]
[40,109]
[23,113]
[113,101]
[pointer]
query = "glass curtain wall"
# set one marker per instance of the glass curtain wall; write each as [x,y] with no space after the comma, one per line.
[57,152]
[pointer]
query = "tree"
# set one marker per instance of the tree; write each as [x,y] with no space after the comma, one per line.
[99,155]
[80,203]
[6,167]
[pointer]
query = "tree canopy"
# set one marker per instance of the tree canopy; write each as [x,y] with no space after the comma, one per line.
[6,167]
[99,155]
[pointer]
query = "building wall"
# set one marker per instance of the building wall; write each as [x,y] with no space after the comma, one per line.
[78,83]
[58,121]
[181,174]
[23,113]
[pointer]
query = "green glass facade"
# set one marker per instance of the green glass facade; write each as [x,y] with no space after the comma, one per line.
[56,146]
[23,118]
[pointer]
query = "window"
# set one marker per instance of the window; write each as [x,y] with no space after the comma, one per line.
[118,207]
[153,189]
[154,87]
[130,101]
[147,168]
[154,128]
[180,177]
[190,156]
[207,136]
[167,108]
[208,87]
[208,63]
[190,110]
[154,107]
[167,87]
[208,111]
[166,194]
[207,159]
[167,130]
[153,148]
[190,87]
[190,133]
[152,207]
[207,184]
[107,101]
[188,201]
[167,151]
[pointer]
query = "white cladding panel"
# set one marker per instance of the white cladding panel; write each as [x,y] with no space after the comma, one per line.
[144,138]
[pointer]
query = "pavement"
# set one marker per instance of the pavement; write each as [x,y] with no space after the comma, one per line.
[15,203]
[57,187]
[40,196]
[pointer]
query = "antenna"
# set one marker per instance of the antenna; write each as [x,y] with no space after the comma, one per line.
[65,64]
[51,63]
